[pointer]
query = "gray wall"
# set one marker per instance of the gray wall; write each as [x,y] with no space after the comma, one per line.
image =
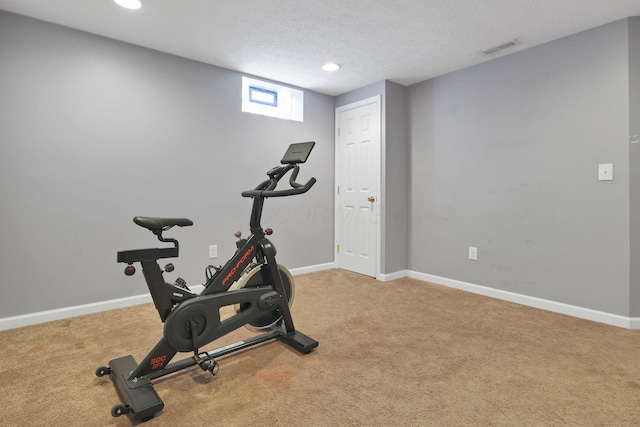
[395,172]
[504,157]
[396,179]
[365,92]
[94,132]
[634,160]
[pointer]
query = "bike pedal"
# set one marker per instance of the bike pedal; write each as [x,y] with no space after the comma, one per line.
[181,283]
[207,364]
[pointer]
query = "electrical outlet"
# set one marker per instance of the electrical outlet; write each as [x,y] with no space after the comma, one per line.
[605,172]
[213,251]
[473,253]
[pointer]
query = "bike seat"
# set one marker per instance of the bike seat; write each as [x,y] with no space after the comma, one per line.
[159,224]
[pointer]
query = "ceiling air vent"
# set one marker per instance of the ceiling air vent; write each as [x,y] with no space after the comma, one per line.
[507,45]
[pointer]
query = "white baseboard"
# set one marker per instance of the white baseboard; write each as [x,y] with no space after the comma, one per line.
[64,313]
[80,310]
[312,268]
[556,307]
[553,306]
[393,276]
[634,323]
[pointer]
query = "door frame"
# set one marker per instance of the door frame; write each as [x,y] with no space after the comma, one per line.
[377,99]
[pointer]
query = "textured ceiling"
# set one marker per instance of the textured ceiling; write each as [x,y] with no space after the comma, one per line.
[405,41]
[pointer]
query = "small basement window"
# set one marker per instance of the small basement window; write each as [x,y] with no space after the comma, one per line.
[273,100]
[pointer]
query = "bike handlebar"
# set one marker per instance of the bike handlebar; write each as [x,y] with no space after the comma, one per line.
[267,188]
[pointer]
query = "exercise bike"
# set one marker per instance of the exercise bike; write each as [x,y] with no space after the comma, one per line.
[260,299]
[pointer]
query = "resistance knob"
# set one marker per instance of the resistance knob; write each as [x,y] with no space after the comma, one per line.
[129,270]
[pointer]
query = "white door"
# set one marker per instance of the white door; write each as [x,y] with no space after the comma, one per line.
[358,186]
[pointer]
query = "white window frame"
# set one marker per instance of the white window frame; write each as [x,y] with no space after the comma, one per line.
[273,100]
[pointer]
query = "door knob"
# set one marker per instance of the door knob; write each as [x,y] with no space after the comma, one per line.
[371,199]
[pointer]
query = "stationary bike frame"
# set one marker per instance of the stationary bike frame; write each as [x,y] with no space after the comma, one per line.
[174,302]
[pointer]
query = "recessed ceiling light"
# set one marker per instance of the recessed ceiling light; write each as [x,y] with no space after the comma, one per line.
[129,4]
[331,67]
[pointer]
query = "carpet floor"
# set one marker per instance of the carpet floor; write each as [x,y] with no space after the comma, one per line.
[400,353]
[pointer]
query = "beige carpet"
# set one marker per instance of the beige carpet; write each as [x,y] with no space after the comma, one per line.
[402,353]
